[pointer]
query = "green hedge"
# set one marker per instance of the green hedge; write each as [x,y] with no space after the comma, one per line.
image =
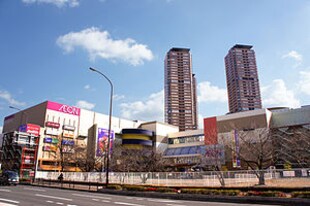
[210,191]
[301,194]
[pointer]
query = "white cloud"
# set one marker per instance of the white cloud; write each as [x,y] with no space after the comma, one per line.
[100,44]
[304,82]
[293,55]
[85,105]
[277,94]
[58,3]
[87,86]
[210,93]
[117,97]
[8,97]
[151,109]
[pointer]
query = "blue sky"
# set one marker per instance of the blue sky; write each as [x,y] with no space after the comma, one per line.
[47,47]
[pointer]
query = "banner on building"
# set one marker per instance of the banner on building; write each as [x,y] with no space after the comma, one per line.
[102,141]
[210,130]
[235,149]
[215,154]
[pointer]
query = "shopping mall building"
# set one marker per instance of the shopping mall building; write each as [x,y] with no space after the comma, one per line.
[38,137]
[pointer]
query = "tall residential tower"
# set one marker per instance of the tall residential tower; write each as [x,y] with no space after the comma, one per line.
[180,90]
[242,79]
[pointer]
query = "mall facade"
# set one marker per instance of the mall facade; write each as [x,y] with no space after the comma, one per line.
[38,138]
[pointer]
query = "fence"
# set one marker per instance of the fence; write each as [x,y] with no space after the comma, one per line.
[273,178]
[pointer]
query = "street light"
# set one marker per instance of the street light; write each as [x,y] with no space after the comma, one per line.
[23,113]
[110,119]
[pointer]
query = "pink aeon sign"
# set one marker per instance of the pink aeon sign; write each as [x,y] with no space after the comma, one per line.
[63,108]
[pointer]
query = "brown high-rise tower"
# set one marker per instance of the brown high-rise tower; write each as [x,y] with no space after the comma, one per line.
[242,79]
[180,90]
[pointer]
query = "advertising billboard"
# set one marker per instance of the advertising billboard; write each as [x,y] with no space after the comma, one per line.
[102,141]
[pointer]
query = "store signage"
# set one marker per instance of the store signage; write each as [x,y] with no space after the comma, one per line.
[47,140]
[51,131]
[31,129]
[68,127]
[67,134]
[52,124]
[67,142]
[63,108]
[50,148]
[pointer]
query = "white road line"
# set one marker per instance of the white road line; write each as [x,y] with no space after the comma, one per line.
[6,204]
[139,199]
[48,201]
[164,201]
[127,203]
[52,197]
[59,203]
[92,196]
[96,200]
[105,201]
[175,205]
[7,200]
[5,190]
[34,189]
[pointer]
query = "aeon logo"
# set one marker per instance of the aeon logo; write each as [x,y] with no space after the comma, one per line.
[69,109]
[63,108]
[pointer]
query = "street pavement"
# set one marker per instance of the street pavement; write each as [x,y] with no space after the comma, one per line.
[25,195]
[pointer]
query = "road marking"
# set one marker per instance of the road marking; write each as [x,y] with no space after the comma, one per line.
[59,203]
[50,201]
[34,189]
[6,204]
[175,205]
[91,196]
[96,200]
[105,201]
[5,190]
[164,201]
[7,200]
[127,203]
[52,197]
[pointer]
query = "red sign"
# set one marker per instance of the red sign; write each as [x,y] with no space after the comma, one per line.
[30,128]
[210,130]
[63,108]
[52,124]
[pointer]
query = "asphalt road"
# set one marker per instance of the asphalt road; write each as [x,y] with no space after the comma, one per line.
[39,196]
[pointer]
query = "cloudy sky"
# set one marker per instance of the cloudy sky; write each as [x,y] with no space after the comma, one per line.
[47,47]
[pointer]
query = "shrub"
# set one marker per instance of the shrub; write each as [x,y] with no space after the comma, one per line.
[115,187]
[134,188]
[166,190]
[266,193]
[210,191]
[301,194]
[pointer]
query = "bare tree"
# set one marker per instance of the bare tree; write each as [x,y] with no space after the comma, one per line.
[292,146]
[136,160]
[254,149]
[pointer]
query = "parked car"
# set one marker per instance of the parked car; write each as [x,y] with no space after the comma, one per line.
[9,178]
